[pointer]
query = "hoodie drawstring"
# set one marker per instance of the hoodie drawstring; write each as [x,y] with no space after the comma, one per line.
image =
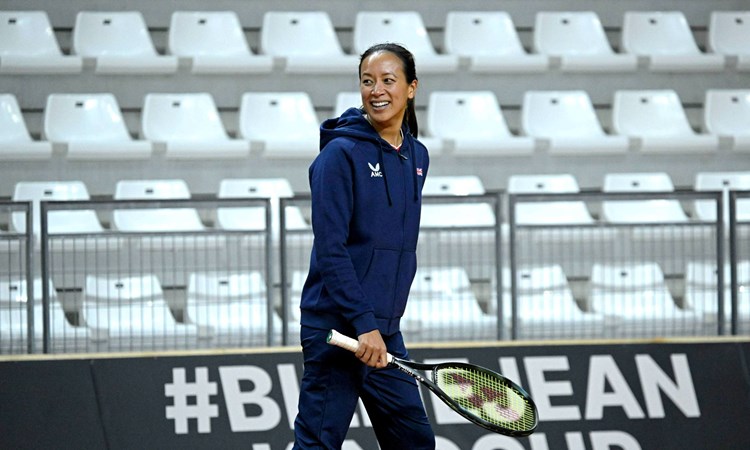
[383,171]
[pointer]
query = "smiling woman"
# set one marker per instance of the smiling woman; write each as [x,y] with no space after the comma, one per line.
[366,187]
[388,88]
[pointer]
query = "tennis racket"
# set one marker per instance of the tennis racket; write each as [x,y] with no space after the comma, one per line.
[482,396]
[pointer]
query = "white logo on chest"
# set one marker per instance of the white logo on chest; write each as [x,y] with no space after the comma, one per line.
[375,170]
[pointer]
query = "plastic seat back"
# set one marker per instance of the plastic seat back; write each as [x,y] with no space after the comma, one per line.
[404,27]
[284,122]
[28,45]
[181,117]
[309,33]
[559,114]
[657,33]
[644,211]
[729,32]
[84,117]
[561,212]
[727,111]
[481,33]
[649,113]
[156,219]
[12,124]
[206,33]
[84,221]
[116,33]
[466,114]
[570,33]
[27,33]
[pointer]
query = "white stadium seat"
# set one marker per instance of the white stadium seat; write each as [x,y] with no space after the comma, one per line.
[722,182]
[283,124]
[490,41]
[28,45]
[442,306]
[578,40]
[665,38]
[641,211]
[548,213]
[189,126]
[473,124]
[68,222]
[459,213]
[14,329]
[130,312]
[346,100]
[566,120]
[637,296]
[306,41]
[120,43]
[254,217]
[701,294]
[91,126]
[155,219]
[657,120]
[231,308]
[406,28]
[215,42]
[726,113]
[546,307]
[15,140]
[729,35]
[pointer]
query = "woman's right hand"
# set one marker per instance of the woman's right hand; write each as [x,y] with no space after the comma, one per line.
[372,350]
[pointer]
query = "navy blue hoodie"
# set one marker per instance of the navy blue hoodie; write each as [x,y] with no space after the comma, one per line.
[366,204]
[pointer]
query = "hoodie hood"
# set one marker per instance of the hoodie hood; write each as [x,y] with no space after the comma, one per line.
[352,123]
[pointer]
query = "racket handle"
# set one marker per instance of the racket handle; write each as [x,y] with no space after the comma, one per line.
[345,342]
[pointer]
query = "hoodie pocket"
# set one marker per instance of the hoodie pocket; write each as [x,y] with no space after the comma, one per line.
[388,280]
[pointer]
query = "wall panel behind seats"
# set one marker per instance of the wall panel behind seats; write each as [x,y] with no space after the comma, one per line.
[49,404]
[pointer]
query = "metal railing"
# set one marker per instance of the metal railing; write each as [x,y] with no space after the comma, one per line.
[479,277]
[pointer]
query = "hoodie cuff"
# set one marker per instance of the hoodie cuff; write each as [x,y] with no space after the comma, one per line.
[364,323]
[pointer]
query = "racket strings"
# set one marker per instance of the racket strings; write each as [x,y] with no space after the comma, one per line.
[487,396]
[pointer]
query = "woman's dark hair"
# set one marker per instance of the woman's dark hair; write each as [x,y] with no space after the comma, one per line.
[410,70]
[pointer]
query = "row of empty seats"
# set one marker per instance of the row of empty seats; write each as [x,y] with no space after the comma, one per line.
[251,218]
[227,309]
[433,214]
[285,125]
[132,312]
[215,42]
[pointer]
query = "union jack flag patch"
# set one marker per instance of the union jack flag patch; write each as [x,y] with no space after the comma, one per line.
[419,171]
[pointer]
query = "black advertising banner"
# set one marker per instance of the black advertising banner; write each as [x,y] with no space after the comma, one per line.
[590,397]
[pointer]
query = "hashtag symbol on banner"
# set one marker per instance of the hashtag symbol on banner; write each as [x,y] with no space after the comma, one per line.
[181,391]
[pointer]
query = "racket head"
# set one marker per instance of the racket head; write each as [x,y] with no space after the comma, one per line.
[486,398]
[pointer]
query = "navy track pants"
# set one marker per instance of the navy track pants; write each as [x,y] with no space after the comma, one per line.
[334,380]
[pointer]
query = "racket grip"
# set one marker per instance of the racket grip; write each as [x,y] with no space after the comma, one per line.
[345,342]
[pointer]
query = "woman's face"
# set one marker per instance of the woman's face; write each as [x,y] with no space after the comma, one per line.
[384,89]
